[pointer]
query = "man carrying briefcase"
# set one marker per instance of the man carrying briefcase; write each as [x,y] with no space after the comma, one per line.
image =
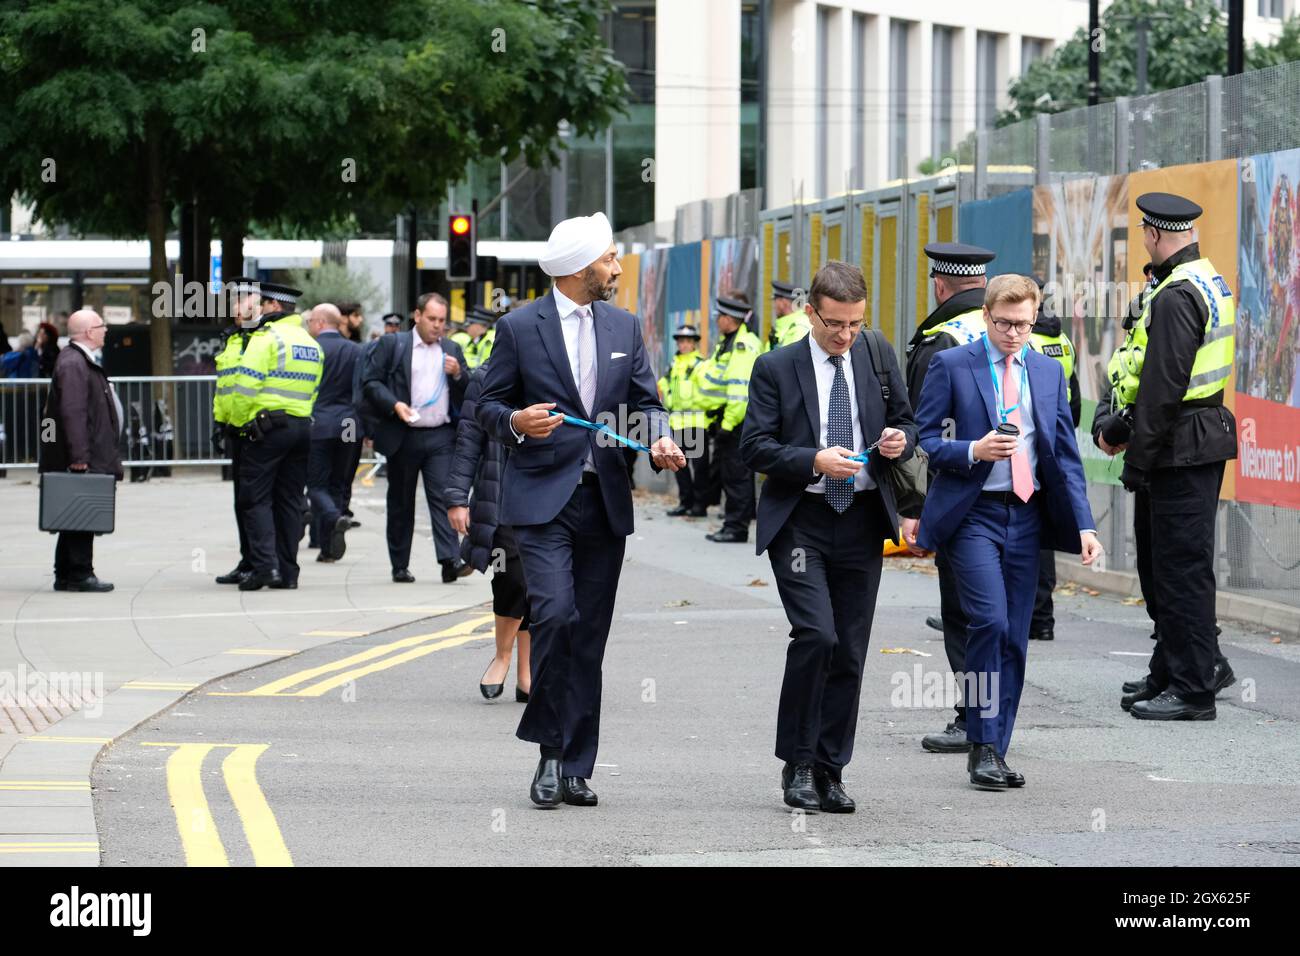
[79,433]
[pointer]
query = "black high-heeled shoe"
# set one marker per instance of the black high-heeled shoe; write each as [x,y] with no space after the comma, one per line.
[521,696]
[491,691]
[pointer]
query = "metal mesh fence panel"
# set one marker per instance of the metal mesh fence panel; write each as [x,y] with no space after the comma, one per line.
[1082,142]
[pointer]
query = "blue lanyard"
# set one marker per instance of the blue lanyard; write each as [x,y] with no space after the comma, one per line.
[592,426]
[437,392]
[1003,411]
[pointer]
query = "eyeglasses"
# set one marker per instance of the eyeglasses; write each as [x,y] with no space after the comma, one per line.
[837,327]
[1003,325]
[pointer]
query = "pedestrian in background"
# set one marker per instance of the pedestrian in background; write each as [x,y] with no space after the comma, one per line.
[335,431]
[87,421]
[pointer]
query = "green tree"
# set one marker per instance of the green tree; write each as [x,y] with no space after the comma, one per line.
[293,112]
[334,282]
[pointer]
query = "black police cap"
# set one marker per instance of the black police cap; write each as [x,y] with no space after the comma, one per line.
[957,259]
[1168,212]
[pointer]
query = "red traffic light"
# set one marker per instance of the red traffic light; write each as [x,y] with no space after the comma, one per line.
[460,225]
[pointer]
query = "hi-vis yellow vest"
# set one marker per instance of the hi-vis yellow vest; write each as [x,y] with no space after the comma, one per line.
[791,328]
[227,360]
[964,328]
[279,371]
[680,393]
[1213,362]
[723,379]
[478,351]
[1059,348]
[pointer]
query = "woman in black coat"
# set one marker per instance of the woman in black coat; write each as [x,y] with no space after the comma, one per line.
[479,462]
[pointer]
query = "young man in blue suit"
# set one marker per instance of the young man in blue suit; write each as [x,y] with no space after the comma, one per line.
[567,494]
[994,417]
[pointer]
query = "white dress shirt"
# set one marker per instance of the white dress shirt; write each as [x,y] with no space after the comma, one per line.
[429,393]
[824,369]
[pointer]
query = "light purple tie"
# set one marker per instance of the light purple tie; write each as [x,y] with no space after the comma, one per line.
[586,360]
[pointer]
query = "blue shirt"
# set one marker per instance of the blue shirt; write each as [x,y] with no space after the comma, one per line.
[999,478]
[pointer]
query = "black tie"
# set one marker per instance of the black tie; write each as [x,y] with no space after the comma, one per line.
[839,431]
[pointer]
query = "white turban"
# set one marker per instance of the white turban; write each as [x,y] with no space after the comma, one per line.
[575,244]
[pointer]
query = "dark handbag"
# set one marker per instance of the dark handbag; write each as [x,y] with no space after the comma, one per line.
[73,501]
[909,479]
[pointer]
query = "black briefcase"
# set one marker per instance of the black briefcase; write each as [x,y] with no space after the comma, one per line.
[77,502]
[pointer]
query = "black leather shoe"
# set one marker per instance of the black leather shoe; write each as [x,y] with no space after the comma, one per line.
[1169,706]
[984,768]
[1043,634]
[800,791]
[577,793]
[1013,779]
[728,537]
[1223,676]
[546,788]
[284,584]
[336,543]
[402,576]
[1145,693]
[1133,686]
[490,691]
[934,622]
[260,579]
[699,512]
[235,576]
[453,568]
[91,584]
[951,741]
[324,558]
[521,696]
[831,794]
[678,511]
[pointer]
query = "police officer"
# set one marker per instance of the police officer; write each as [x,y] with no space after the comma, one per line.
[1168,380]
[456,329]
[1048,339]
[678,390]
[242,294]
[958,277]
[480,330]
[273,390]
[724,391]
[791,323]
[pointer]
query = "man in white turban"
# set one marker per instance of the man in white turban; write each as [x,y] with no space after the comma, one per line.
[566,490]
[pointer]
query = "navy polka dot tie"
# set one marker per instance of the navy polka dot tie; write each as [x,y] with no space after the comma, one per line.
[839,431]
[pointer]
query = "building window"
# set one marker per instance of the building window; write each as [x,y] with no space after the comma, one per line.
[858,72]
[823,101]
[1031,51]
[1272,9]
[986,79]
[898,37]
[751,46]
[631,36]
[941,84]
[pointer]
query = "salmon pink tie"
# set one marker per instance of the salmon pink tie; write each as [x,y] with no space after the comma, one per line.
[1022,482]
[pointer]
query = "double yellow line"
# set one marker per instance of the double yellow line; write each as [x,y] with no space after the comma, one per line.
[370,661]
[198,831]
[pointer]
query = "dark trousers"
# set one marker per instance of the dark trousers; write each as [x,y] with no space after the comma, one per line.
[954,624]
[233,446]
[737,483]
[1181,505]
[354,462]
[327,480]
[827,569]
[1044,618]
[693,480]
[425,453]
[74,556]
[571,566]
[994,554]
[272,472]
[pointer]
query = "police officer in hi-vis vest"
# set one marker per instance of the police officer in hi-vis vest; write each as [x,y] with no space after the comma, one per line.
[1048,339]
[791,324]
[679,391]
[957,273]
[1168,380]
[273,390]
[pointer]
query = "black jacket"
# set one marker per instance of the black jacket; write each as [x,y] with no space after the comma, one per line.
[478,463]
[386,380]
[334,408]
[782,430]
[1168,432]
[920,349]
[1050,324]
[84,416]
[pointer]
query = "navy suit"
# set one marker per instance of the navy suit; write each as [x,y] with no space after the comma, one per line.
[992,545]
[412,453]
[571,528]
[335,433]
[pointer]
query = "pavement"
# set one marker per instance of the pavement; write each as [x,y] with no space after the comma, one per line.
[341,724]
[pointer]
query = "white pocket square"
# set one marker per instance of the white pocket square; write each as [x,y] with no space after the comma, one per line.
[614,355]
